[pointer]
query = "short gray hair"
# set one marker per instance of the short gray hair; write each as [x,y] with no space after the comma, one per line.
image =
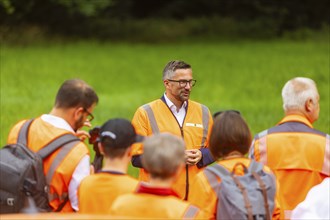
[163,154]
[297,91]
[169,70]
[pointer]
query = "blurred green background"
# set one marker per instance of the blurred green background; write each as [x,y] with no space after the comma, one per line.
[242,53]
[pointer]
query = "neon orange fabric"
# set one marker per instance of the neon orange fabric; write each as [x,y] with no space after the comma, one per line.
[203,196]
[40,134]
[97,192]
[192,132]
[298,155]
[142,205]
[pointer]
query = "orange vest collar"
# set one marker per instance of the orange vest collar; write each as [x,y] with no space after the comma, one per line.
[296,118]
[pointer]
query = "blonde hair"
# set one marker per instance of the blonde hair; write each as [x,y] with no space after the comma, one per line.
[163,153]
[297,91]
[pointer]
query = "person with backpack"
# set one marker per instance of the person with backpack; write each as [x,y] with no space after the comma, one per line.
[163,158]
[97,191]
[67,166]
[234,187]
[297,153]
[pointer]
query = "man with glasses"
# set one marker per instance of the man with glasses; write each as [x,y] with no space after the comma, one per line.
[175,113]
[74,104]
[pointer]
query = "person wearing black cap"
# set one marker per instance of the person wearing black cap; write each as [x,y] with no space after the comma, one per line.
[97,191]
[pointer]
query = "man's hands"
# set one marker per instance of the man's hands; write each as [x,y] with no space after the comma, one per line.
[84,134]
[193,156]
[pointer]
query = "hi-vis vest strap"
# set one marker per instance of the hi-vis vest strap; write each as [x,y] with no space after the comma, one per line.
[155,128]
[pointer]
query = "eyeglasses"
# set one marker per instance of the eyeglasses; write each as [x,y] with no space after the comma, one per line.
[90,116]
[183,83]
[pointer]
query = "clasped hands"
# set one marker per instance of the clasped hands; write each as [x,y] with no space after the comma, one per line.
[193,156]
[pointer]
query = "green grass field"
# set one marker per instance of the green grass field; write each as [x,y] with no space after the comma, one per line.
[242,75]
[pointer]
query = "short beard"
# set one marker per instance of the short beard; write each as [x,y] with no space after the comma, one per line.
[79,123]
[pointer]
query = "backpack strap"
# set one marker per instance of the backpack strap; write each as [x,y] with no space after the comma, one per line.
[264,193]
[214,171]
[247,202]
[254,168]
[56,143]
[23,132]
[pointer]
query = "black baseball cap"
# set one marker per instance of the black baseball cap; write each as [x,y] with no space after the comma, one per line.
[120,133]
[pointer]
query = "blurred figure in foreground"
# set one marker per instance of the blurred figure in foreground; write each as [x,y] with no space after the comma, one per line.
[163,158]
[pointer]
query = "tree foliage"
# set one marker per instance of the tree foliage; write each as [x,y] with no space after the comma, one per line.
[86,16]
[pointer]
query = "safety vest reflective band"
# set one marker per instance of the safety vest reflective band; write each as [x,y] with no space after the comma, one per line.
[205,121]
[191,212]
[264,158]
[58,159]
[326,160]
[155,128]
[152,120]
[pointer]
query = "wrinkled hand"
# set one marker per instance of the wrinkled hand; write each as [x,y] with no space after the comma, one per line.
[193,156]
[83,134]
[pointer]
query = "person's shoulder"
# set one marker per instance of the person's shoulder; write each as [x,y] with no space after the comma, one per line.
[12,137]
[130,179]
[195,103]
[151,103]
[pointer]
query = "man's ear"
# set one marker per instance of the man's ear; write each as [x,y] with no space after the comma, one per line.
[166,83]
[309,105]
[78,112]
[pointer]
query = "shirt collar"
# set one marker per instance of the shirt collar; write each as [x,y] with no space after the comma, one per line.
[170,104]
[296,118]
[57,122]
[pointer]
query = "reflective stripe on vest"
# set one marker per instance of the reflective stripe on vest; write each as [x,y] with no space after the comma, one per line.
[155,128]
[56,162]
[326,159]
[205,121]
[53,196]
[191,212]
[263,146]
[152,119]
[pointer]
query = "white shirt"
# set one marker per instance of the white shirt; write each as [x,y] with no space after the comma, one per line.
[83,168]
[316,204]
[179,115]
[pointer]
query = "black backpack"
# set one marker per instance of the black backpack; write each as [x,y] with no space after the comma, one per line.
[22,174]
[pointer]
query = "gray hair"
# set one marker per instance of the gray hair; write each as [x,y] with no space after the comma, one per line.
[163,154]
[169,70]
[297,91]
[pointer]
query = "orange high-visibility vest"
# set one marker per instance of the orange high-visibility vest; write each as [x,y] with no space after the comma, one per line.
[60,165]
[298,155]
[156,117]
[203,195]
[97,192]
[143,205]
